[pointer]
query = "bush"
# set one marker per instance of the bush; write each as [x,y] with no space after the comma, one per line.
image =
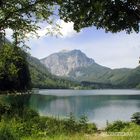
[4,109]
[29,114]
[91,128]
[7,132]
[116,126]
[70,124]
[83,124]
[29,123]
[53,126]
[136,118]
[86,127]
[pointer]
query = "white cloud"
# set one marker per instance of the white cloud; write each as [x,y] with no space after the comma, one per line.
[9,33]
[114,51]
[65,31]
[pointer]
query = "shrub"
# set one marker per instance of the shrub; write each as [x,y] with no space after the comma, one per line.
[83,124]
[132,127]
[4,108]
[71,125]
[29,123]
[92,128]
[7,132]
[116,126]
[29,114]
[136,118]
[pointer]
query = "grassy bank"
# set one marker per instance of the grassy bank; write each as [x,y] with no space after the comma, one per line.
[102,136]
[21,123]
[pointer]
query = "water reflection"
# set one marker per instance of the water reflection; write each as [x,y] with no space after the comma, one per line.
[98,105]
[97,108]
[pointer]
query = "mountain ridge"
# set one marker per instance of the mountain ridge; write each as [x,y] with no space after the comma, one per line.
[91,72]
[40,75]
[62,63]
[88,76]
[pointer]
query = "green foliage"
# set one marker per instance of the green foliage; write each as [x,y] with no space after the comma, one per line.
[61,137]
[138,86]
[116,126]
[22,16]
[14,72]
[31,124]
[5,109]
[111,15]
[79,126]
[133,128]
[71,124]
[42,78]
[83,124]
[29,114]
[97,76]
[17,104]
[7,132]
[136,118]
[35,127]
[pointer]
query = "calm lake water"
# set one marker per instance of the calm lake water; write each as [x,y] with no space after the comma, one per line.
[99,106]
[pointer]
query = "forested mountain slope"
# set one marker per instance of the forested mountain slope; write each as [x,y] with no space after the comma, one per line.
[76,65]
[42,78]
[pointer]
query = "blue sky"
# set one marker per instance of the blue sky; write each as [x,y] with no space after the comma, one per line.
[111,50]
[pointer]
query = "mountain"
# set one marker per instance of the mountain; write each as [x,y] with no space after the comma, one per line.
[76,65]
[42,78]
[62,63]
[132,79]
[40,75]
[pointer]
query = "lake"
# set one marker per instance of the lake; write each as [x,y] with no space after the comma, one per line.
[99,106]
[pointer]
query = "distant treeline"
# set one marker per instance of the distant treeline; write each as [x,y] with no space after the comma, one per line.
[20,72]
[98,85]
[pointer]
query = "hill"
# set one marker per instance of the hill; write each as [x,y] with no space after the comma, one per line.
[42,78]
[76,65]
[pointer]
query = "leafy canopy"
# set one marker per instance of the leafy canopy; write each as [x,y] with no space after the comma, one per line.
[136,118]
[111,15]
[23,16]
[14,72]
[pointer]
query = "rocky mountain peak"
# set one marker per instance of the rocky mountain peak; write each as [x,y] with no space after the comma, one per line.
[63,62]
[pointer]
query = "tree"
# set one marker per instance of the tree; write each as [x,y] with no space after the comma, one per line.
[136,118]
[14,72]
[111,15]
[22,16]
[116,126]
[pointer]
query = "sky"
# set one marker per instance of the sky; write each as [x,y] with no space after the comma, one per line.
[116,50]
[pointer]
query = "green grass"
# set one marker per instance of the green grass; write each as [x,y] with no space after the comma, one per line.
[84,137]
[26,124]
[59,137]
